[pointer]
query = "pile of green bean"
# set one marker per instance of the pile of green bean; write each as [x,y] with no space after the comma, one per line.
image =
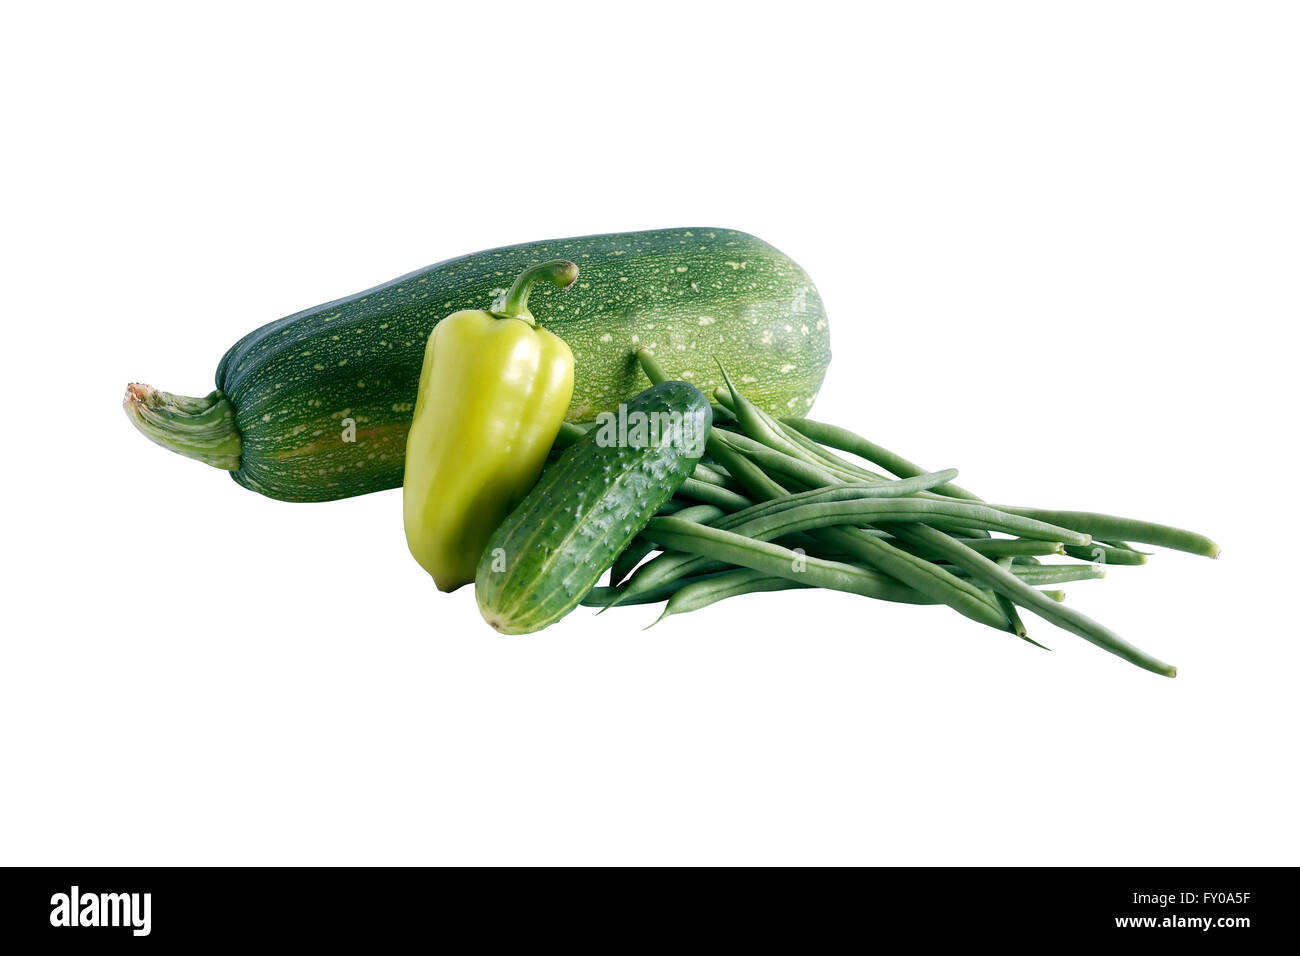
[775,506]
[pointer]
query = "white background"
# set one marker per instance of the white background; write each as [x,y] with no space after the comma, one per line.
[1058,245]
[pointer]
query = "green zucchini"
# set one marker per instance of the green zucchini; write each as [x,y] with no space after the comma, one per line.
[316,406]
[552,549]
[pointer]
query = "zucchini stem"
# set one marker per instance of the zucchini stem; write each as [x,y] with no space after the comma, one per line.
[199,428]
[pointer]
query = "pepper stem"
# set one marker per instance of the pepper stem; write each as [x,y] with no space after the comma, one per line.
[514,303]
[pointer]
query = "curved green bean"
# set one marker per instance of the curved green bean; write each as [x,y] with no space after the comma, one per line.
[715,495]
[803,517]
[818,453]
[772,559]
[775,460]
[1104,554]
[1000,547]
[929,579]
[1129,529]
[1058,573]
[843,492]
[696,594]
[760,426]
[854,444]
[700,592]
[639,547]
[1004,582]
[605,597]
[704,473]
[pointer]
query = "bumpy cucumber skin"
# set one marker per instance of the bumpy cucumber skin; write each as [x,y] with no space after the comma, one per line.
[689,295]
[581,514]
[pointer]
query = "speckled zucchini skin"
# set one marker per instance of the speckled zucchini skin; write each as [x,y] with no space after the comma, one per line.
[582,513]
[689,295]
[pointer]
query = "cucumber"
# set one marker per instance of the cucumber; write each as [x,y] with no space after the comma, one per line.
[584,510]
[316,406]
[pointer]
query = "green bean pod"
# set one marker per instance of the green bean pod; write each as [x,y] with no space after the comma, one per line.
[1004,582]
[854,444]
[1109,526]
[774,560]
[699,593]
